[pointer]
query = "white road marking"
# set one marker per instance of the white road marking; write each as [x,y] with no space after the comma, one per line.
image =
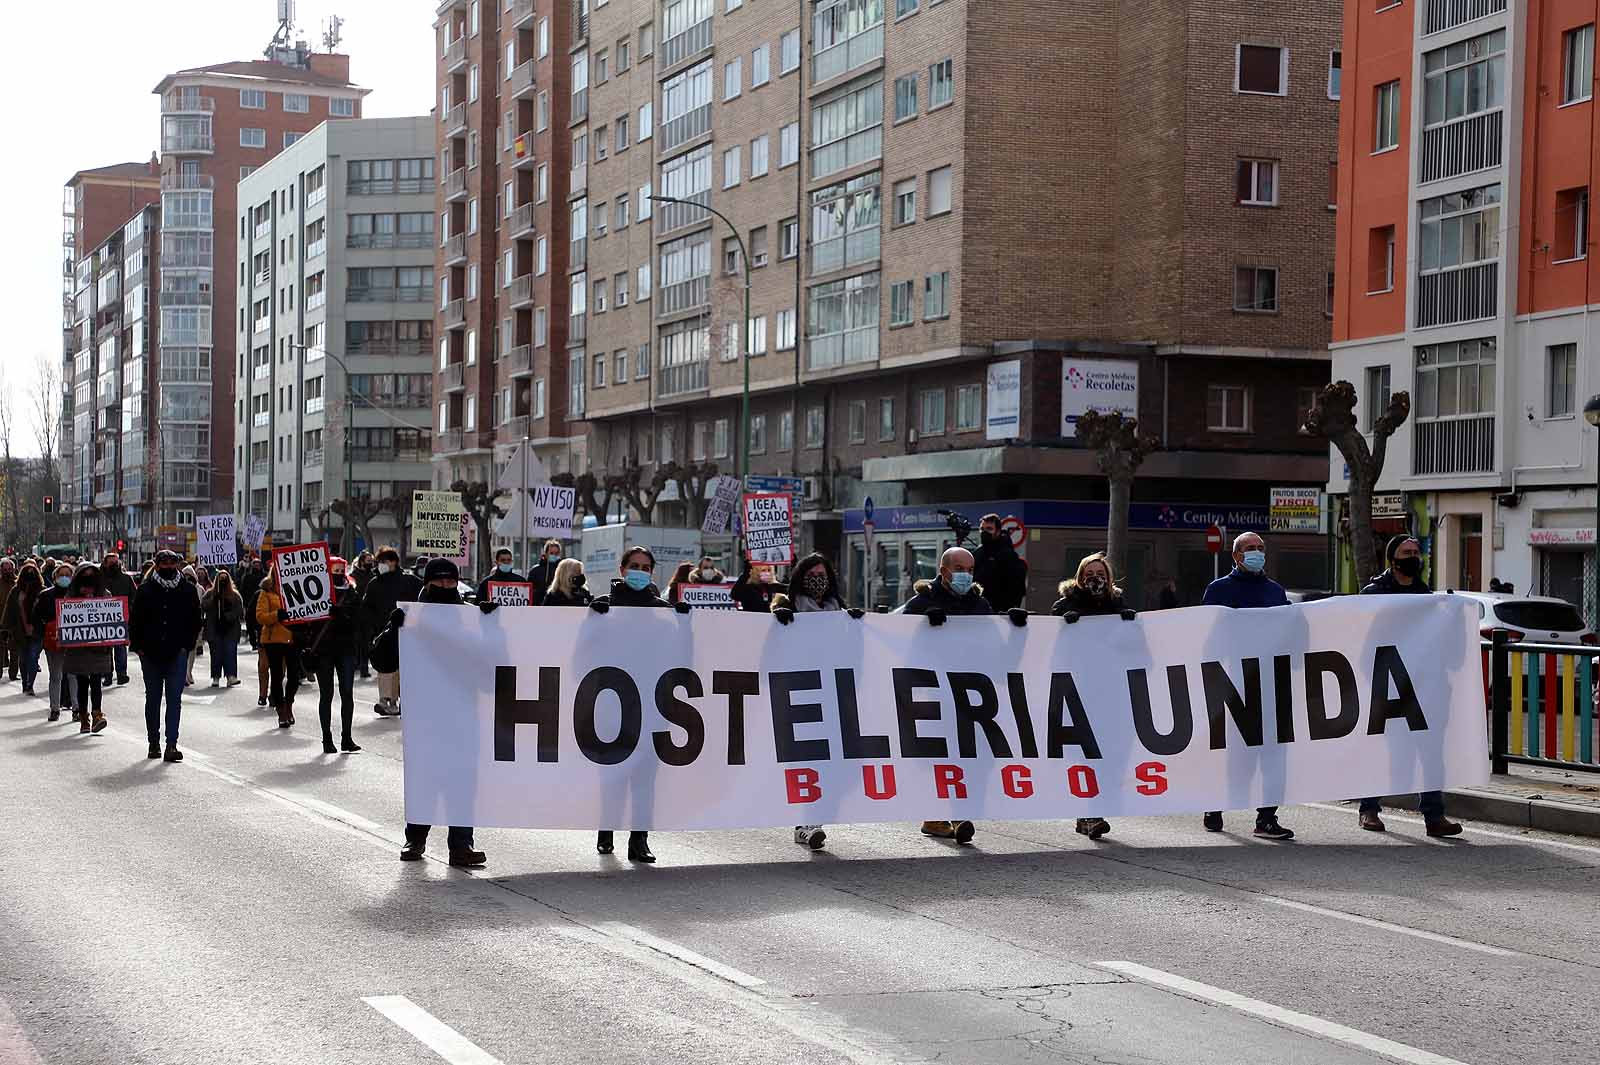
[1288,1018]
[1373,922]
[431,1032]
[682,953]
[1472,830]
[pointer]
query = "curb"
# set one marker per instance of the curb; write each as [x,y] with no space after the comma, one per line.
[1548,815]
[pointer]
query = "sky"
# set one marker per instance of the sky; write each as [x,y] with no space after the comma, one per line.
[81,94]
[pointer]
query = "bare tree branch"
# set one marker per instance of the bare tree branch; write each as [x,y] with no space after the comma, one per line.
[1334,419]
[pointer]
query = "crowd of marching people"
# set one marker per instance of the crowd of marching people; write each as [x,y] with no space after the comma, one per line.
[178,612]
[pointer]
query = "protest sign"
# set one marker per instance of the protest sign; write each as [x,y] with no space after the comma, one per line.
[707,596]
[254,530]
[769,527]
[216,543]
[724,502]
[550,510]
[511,593]
[98,622]
[436,526]
[656,720]
[303,581]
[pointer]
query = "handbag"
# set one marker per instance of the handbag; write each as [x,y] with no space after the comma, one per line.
[308,656]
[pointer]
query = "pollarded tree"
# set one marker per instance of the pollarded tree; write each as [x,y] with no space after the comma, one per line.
[478,499]
[1120,451]
[1333,418]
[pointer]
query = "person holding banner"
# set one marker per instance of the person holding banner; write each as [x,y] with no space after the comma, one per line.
[44,619]
[277,643]
[88,666]
[503,572]
[162,625]
[1090,593]
[754,589]
[567,586]
[389,588]
[119,584]
[633,588]
[335,654]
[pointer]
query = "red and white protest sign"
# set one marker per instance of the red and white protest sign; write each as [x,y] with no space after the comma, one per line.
[769,527]
[303,581]
[97,622]
[511,593]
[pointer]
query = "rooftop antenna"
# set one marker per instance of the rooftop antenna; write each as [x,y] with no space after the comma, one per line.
[333,33]
[280,39]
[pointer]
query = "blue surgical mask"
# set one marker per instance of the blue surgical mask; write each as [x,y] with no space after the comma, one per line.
[637,579]
[961,583]
[1255,561]
[63,582]
[504,567]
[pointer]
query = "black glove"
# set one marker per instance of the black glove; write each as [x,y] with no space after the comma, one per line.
[935,616]
[600,606]
[488,606]
[1018,616]
[397,619]
[682,608]
[1129,615]
[1070,617]
[784,615]
[283,615]
[855,612]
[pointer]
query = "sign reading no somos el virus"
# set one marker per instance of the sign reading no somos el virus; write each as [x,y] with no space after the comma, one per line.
[100,622]
[303,581]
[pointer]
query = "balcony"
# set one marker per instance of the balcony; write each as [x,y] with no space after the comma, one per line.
[186,297]
[455,250]
[312,458]
[578,255]
[317,300]
[520,291]
[671,217]
[849,249]
[316,249]
[847,55]
[684,296]
[453,378]
[691,42]
[263,230]
[1447,14]
[455,186]
[577,330]
[262,325]
[175,182]
[685,377]
[263,278]
[1464,294]
[521,224]
[455,441]
[455,121]
[515,428]
[454,314]
[187,103]
[578,181]
[684,128]
[455,55]
[259,467]
[518,361]
[387,347]
[522,81]
[522,152]
[1453,445]
[580,106]
[580,21]
[1462,146]
[522,15]
[187,143]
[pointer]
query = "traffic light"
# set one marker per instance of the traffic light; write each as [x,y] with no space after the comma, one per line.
[122,545]
[49,504]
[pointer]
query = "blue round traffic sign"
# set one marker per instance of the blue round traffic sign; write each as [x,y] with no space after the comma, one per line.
[867,508]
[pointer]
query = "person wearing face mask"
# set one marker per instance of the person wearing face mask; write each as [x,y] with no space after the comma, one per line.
[503,572]
[88,666]
[1090,593]
[62,696]
[249,585]
[224,613]
[1404,577]
[277,644]
[544,571]
[388,588]
[813,588]
[164,622]
[118,583]
[635,587]
[754,589]
[706,572]
[442,579]
[361,576]
[1247,587]
[953,594]
[568,587]
[998,568]
[334,652]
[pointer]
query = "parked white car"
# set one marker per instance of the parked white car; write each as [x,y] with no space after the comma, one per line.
[1536,618]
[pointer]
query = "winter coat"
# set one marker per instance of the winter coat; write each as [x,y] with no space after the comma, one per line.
[268,603]
[935,593]
[541,576]
[223,615]
[579,597]
[384,593]
[16,620]
[8,584]
[164,622]
[340,635]
[1385,584]
[1002,573]
[622,595]
[499,578]
[755,596]
[1081,601]
[249,584]
[1245,591]
[119,583]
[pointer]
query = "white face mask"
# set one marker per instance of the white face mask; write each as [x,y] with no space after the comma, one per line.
[384,567]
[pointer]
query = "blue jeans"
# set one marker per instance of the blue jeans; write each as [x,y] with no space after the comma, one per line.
[164,677]
[121,656]
[1431,803]
[31,650]
[224,658]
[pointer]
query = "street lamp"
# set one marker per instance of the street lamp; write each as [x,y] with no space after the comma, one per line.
[1591,414]
[744,341]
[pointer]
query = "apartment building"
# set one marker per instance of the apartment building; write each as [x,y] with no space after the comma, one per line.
[1465,176]
[98,206]
[219,123]
[502,313]
[334,376]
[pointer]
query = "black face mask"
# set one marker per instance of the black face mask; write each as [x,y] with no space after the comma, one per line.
[579,580]
[1409,567]
[987,538]
[167,573]
[448,596]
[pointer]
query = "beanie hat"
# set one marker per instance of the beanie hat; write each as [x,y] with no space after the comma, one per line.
[1394,545]
[441,569]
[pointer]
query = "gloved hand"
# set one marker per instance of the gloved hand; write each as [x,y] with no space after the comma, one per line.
[599,606]
[682,608]
[855,612]
[1018,616]
[1070,617]
[488,606]
[784,615]
[1129,615]
[935,616]
[397,619]
[283,615]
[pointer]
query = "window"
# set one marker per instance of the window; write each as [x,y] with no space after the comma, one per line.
[1228,408]
[1577,64]
[730,255]
[732,165]
[936,296]
[846,223]
[1454,380]
[758,157]
[733,5]
[905,97]
[1386,128]
[732,77]
[785,320]
[789,145]
[542,113]
[1376,396]
[760,67]
[1255,289]
[472,83]
[905,202]
[641,361]
[786,431]
[600,288]
[939,191]
[932,412]
[941,83]
[788,238]
[719,438]
[1256,183]
[620,212]
[250,137]
[544,37]
[600,370]
[856,420]
[969,407]
[902,8]
[901,294]
[1572,225]
[602,142]
[842,322]
[885,418]
[1459,229]
[623,51]
[296,103]
[756,342]
[602,66]
[543,182]
[253,99]
[641,283]
[1335,73]
[541,256]
[647,38]
[1464,79]
[847,130]
[619,367]
[758,246]
[1329,293]
[341,107]
[816,426]
[758,434]
[646,114]
[1561,395]
[1380,260]
[789,52]
[622,133]
[1262,69]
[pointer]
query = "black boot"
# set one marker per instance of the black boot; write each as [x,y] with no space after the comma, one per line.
[639,848]
[603,843]
[327,744]
[348,745]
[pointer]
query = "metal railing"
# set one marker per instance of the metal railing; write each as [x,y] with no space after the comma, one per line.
[521,221]
[176,182]
[677,48]
[518,360]
[454,313]
[1453,445]
[388,347]
[1542,703]
[847,55]
[1462,146]
[455,119]
[515,428]
[522,80]
[1463,294]
[520,291]
[1445,14]
[675,215]
[188,143]
[455,186]
[522,14]
[455,249]
[388,240]
[455,54]
[180,102]
[684,128]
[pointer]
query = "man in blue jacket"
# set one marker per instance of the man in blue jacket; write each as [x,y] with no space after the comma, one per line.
[1248,587]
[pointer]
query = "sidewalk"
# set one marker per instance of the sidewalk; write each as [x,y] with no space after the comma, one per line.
[1555,800]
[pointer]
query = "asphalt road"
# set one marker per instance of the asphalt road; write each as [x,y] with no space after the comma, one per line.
[247,905]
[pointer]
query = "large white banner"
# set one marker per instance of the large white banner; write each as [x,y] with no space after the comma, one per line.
[641,719]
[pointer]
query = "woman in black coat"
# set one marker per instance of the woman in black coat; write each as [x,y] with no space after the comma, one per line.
[568,586]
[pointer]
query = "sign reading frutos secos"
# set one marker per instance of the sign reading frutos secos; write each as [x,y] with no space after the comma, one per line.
[1101,385]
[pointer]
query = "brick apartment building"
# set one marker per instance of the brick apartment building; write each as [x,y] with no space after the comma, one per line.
[951,212]
[1466,161]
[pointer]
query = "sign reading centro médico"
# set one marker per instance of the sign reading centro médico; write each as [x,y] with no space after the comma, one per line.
[1101,385]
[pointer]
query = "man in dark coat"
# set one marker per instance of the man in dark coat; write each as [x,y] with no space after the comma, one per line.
[1003,575]
[1404,577]
[543,572]
[118,583]
[390,587]
[249,587]
[503,572]
[164,624]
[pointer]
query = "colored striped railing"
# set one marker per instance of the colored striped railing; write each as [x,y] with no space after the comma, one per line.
[1542,704]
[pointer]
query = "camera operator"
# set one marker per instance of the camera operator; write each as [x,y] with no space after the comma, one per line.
[1002,575]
